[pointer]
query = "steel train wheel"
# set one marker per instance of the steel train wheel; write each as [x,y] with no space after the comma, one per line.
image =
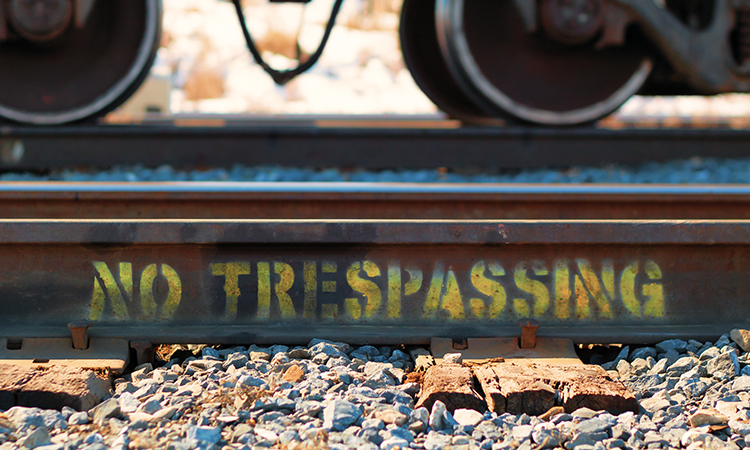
[505,72]
[84,73]
[423,58]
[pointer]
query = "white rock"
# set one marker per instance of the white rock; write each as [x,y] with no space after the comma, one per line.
[467,416]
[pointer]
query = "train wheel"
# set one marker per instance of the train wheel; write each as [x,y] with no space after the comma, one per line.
[425,62]
[538,77]
[80,72]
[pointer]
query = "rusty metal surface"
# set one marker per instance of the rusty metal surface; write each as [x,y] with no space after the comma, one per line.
[371,200]
[373,281]
[258,142]
[547,351]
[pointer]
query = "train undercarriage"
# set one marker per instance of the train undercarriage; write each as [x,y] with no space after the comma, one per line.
[548,62]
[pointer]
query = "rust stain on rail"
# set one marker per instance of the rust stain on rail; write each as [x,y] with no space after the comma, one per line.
[161,282]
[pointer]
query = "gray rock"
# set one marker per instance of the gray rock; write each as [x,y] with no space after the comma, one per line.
[398,355]
[741,383]
[335,362]
[436,415]
[421,414]
[725,364]
[328,349]
[448,421]
[654,438]
[105,410]
[208,352]
[698,371]
[660,401]
[644,383]
[402,433]
[671,356]
[394,442]
[299,353]
[639,367]
[78,418]
[259,356]
[585,413]
[248,381]
[275,404]
[379,379]
[593,425]
[437,442]
[128,402]
[145,390]
[265,437]
[452,358]
[289,436]
[545,435]
[709,353]
[560,418]
[276,349]
[672,344]
[620,431]
[373,423]
[151,406]
[522,433]
[613,443]
[36,438]
[141,372]
[371,435]
[373,367]
[341,346]
[643,352]
[582,439]
[339,414]
[740,428]
[659,367]
[24,418]
[468,416]
[237,360]
[681,366]
[723,340]
[623,368]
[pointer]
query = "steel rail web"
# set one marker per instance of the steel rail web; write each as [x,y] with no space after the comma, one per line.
[384,145]
[244,281]
[231,200]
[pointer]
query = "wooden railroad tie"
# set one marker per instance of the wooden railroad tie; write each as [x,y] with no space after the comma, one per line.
[524,387]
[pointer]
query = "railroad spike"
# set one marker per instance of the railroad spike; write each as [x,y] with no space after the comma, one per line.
[528,333]
[79,330]
[144,351]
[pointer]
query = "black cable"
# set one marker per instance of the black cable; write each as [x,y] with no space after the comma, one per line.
[282,77]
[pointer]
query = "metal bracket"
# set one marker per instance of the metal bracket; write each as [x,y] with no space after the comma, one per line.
[547,350]
[112,354]
[144,351]
[80,333]
[527,9]
[704,57]
[528,348]
[83,10]
[3,23]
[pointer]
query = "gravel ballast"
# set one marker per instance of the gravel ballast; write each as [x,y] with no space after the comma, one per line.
[331,395]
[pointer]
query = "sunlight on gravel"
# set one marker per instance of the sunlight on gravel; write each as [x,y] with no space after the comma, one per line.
[360,72]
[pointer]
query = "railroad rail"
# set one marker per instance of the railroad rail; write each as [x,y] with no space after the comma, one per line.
[363,143]
[231,200]
[239,281]
[234,263]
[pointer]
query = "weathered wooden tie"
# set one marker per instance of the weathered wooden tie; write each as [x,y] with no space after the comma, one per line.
[524,387]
